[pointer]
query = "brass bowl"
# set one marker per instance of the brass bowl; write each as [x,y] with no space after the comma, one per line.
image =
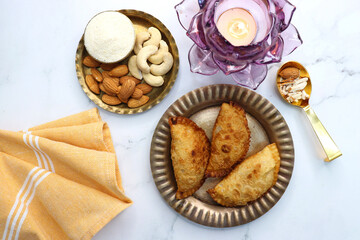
[141,21]
[266,125]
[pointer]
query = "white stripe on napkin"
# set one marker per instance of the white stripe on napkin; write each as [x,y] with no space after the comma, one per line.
[46,166]
[41,156]
[47,156]
[17,201]
[43,159]
[23,199]
[36,154]
[28,203]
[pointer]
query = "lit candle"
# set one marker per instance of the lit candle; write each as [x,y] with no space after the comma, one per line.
[237,26]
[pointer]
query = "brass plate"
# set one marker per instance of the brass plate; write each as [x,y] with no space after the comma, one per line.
[141,21]
[202,105]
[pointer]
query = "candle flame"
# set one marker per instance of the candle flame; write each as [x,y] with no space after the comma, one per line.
[238,28]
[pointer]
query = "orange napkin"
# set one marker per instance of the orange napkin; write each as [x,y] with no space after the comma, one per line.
[59,180]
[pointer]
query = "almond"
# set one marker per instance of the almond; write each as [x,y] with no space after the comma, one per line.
[110,85]
[290,72]
[92,84]
[137,93]
[90,62]
[126,90]
[105,74]
[111,100]
[125,78]
[134,103]
[116,80]
[145,88]
[108,66]
[102,88]
[96,74]
[119,71]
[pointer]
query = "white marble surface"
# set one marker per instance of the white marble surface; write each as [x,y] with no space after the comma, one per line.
[38,84]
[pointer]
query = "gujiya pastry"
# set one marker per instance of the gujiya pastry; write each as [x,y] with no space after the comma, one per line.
[195,158]
[147,53]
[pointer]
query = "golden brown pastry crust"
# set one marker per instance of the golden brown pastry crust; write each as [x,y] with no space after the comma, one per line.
[230,140]
[190,152]
[249,180]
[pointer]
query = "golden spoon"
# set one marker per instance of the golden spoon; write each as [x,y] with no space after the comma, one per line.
[331,150]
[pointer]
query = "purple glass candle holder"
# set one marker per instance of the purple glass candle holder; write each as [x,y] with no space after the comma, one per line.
[247,65]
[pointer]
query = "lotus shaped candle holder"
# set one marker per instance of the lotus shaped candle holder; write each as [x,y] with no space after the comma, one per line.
[247,65]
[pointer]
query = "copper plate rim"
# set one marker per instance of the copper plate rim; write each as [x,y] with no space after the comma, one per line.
[194,101]
[152,102]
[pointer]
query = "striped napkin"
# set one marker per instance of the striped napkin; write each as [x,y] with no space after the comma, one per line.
[59,180]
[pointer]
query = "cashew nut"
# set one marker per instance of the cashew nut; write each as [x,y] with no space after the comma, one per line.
[141,37]
[163,68]
[155,37]
[134,70]
[142,57]
[157,58]
[155,81]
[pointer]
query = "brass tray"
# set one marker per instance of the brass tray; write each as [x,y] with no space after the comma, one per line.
[141,21]
[202,106]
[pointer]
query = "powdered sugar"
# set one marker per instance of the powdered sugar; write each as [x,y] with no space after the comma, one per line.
[109,37]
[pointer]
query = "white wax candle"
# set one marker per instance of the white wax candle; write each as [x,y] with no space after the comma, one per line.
[237,26]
